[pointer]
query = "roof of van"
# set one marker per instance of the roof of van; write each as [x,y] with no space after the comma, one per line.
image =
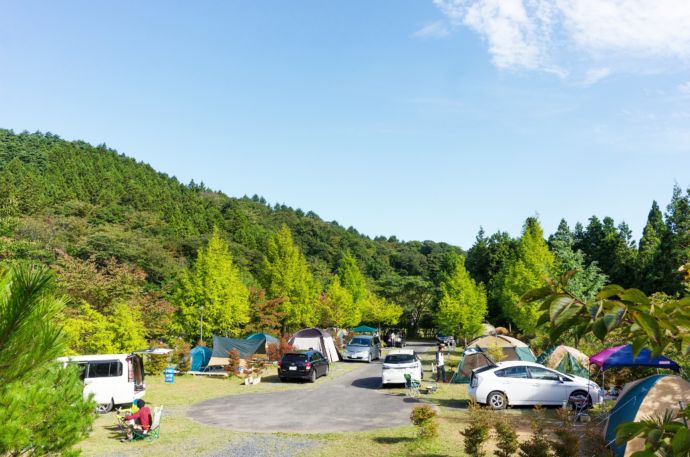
[95,357]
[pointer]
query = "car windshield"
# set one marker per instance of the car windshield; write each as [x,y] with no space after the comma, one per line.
[294,357]
[399,358]
[359,342]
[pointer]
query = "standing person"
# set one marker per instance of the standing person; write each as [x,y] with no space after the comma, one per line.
[440,365]
[142,420]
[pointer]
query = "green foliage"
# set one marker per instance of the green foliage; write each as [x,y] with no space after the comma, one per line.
[213,283]
[352,278]
[538,444]
[506,439]
[127,328]
[477,432]
[529,270]
[381,311]
[265,316]
[154,364]
[663,434]
[286,275]
[424,417]
[567,442]
[87,331]
[339,307]
[463,306]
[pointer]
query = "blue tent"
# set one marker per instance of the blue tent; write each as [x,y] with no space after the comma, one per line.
[199,355]
[263,336]
[622,356]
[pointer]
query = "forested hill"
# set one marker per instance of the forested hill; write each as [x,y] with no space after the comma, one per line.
[123,239]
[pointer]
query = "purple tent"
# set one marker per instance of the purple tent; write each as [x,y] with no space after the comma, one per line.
[622,356]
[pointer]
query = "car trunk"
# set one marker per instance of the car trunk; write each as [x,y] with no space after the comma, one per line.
[135,365]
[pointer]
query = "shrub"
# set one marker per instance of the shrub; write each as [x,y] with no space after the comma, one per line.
[567,443]
[233,362]
[496,353]
[506,439]
[181,356]
[477,432]
[538,445]
[276,351]
[156,363]
[424,417]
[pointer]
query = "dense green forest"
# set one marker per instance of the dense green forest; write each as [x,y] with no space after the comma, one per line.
[138,253]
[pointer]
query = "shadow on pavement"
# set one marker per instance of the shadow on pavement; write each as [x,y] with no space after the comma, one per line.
[367,383]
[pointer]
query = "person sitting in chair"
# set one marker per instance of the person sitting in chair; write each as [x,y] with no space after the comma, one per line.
[141,420]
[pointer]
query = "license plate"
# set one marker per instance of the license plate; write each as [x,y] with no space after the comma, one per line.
[292,368]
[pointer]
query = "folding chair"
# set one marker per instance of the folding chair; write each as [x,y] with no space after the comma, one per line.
[412,386]
[580,405]
[155,431]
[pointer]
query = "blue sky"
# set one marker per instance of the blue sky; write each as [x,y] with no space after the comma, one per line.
[422,119]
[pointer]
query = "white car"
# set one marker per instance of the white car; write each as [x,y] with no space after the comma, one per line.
[528,383]
[399,362]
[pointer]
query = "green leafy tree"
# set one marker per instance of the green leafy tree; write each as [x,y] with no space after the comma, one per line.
[339,307]
[127,328]
[286,275]
[352,278]
[215,284]
[675,244]
[42,408]
[587,280]
[649,257]
[87,331]
[530,269]
[381,311]
[463,305]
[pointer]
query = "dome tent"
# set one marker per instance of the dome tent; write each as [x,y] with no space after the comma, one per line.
[315,338]
[476,354]
[565,359]
[199,357]
[265,340]
[642,399]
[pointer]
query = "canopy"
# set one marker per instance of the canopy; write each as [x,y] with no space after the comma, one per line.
[222,346]
[622,356]
[566,360]
[364,329]
[642,399]
[265,336]
[200,356]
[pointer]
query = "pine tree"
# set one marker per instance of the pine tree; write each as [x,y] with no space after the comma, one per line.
[675,244]
[649,256]
[534,263]
[463,304]
[215,284]
[286,275]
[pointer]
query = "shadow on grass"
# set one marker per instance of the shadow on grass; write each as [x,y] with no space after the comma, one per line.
[393,439]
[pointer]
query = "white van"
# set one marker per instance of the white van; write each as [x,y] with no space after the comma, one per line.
[113,379]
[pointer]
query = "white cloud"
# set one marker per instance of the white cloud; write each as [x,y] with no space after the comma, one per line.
[542,34]
[685,88]
[594,75]
[438,29]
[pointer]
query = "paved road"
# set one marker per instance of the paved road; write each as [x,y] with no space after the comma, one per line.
[352,402]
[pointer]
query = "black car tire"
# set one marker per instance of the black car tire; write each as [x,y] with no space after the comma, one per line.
[282,378]
[497,400]
[312,376]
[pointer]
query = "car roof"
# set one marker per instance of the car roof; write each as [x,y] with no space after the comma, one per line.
[401,351]
[514,363]
[93,358]
[369,337]
[306,352]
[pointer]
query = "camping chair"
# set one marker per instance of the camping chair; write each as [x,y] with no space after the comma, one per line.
[155,431]
[412,386]
[580,405]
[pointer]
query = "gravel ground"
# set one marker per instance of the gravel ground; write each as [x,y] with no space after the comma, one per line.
[265,446]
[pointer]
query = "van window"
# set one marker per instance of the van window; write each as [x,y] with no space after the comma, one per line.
[107,369]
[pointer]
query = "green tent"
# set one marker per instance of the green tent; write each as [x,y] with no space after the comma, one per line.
[565,359]
[364,329]
[222,346]
[471,359]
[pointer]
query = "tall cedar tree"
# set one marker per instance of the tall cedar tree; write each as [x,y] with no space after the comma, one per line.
[286,275]
[649,257]
[675,244]
[462,308]
[534,263]
[215,284]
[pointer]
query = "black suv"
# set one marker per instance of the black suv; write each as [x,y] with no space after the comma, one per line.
[303,365]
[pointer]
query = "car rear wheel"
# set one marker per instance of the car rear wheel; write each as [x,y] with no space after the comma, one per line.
[283,379]
[103,408]
[577,397]
[312,376]
[497,400]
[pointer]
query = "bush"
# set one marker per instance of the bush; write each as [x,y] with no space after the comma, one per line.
[233,362]
[181,356]
[424,417]
[567,443]
[276,351]
[506,439]
[477,432]
[156,363]
[538,445]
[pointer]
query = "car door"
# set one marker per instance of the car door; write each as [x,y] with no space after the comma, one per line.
[515,382]
[547,388]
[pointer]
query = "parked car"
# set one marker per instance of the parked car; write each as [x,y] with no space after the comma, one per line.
[395,337]
[308,365]
[445,339]
[363,347]
[113,379]
[399,362]
[528,383]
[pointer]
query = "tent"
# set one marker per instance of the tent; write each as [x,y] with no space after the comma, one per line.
[622,356]
[642,399]
[199,357]
[222,346]
[566,360]
[265,336]
[476,354]
[364,329]
[315,338]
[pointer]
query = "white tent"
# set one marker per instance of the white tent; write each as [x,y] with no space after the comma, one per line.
[315,338]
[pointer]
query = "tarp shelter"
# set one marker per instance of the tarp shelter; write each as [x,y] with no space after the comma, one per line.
[222,346]
[565,359]
[622,356]
[471,359]
[315,338]
[258,336]
[199,357]
[640,400]
[364,329]
[476,354]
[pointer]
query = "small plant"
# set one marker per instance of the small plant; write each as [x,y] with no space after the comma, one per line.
[181,355]
[424,417]
[155,363]
[233,362]
[567,443]
[276,351]
[506,439]
[537,445]
[477,432]
[496,353]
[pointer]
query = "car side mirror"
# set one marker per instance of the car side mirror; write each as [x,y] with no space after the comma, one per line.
[561,379]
